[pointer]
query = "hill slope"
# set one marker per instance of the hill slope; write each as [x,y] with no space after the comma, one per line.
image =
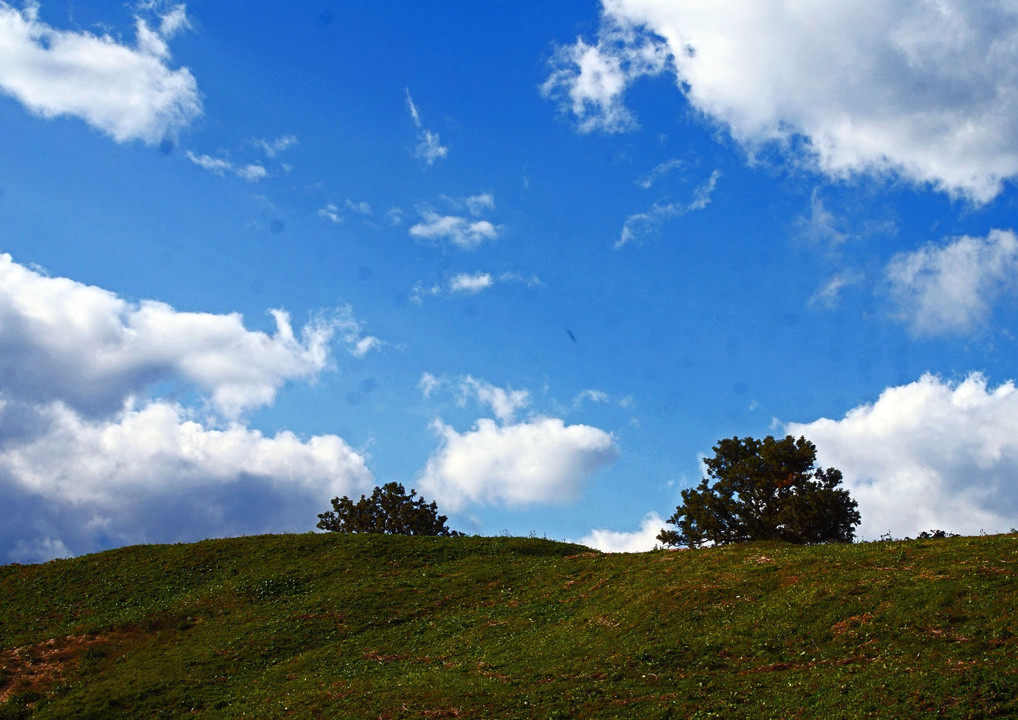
[310,626]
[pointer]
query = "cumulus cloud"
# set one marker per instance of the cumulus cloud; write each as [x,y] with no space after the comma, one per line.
[87,347]
[922,89]
[252,173]
[155,474]
[470,284]
[928,455]
[540,461]
[614,541]
[644,225]
[88,460]
[463,227]
[462,232]
[429,146]
[951,288]
[129,93]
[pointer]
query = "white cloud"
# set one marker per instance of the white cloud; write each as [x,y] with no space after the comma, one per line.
[271,148]
[595,396]
[331,212]
[39,550]
[362,346]
[659,171]
[591,80]
[920,88]
[63,340]
[360,208]
[927,455]
[504,402]
[127,93]
[461,232]
[336,214]
[702,194]
[470,284]
[614,541]
[951,288]
[428,384]
[429,145]
[174,21]
[477,204]
[252,173]
[155,474]
[541,461]
[828,295]
[644,225]
[214,165]
[821,226]
[88,461]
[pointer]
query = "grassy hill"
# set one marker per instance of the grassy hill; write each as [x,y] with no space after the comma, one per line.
[332,626]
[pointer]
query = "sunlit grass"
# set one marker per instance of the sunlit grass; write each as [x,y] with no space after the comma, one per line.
[393,627]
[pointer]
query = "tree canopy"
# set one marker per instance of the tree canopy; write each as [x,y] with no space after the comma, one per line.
[389,510]
[764,490]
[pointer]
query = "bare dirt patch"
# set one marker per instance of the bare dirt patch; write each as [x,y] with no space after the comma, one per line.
[37,667]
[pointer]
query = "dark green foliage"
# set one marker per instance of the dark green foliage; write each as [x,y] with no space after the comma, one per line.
[935,534]
[764,490]
[389,510]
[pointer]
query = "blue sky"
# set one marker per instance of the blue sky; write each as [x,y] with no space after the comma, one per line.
[532,263]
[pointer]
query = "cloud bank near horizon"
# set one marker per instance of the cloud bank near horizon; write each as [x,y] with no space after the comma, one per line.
[88,459]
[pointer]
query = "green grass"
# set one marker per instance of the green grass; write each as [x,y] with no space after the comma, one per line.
[334,626]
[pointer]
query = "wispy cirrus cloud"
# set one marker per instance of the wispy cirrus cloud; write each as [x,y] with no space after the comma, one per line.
[639,227]
[272,148]
[828,295]
[429,146]
[469,284]
[251,172]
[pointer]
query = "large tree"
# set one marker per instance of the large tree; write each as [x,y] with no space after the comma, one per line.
[764,490]
[389,510]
